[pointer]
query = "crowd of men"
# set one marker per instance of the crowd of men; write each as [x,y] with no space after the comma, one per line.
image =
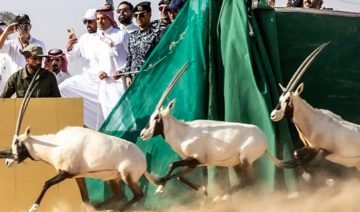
[112,55]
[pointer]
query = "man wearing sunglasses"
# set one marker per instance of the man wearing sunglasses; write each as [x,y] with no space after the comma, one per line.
[164,22]
[19,82]
[142,40]
[173,10]
[57,63]
[12,47]
[125,16]
[85,85]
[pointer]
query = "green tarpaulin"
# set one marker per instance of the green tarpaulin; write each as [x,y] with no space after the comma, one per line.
[233,77]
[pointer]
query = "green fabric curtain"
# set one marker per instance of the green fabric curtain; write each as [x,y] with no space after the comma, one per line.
[232,78]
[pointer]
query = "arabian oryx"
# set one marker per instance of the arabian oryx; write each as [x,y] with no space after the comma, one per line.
[77,152]
[323,133]
[207,143]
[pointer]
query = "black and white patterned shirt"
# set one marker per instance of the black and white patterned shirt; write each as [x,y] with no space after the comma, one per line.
[141,44]
[159,25]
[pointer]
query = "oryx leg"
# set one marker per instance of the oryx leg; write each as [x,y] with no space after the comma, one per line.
[189,162]
[117,194]
[181,178]
[245,175]
[137,193]
[63,175]
[83,189]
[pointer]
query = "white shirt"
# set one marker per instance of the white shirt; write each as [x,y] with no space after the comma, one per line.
[129,28]
[112,57]
[61,77]
[12,47]
[5,70]
[85,50]
[111,51]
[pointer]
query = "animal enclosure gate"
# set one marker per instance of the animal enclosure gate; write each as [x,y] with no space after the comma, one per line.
[20,186]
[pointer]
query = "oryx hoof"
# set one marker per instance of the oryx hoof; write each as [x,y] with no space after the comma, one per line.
[330,183]
[160,189]
[217,199]
[226,198]
[34,208]
[306,176]
[203,190]
[293,195]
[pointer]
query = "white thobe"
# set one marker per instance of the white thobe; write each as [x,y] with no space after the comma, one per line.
[111,53]
[129,28]
[86,84]
[12,48]
[5,70]
[61,77]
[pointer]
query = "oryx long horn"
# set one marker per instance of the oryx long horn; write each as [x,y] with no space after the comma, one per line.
[25,102]
[172,84]
[303,67]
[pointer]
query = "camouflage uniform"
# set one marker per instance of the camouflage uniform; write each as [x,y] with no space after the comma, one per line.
[141,44]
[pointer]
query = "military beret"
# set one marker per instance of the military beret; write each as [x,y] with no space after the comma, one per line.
[143,6]
[164,2]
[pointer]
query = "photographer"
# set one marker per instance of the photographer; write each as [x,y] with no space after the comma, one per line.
[12,47]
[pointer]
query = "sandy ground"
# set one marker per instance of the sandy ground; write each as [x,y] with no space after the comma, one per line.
[342,196]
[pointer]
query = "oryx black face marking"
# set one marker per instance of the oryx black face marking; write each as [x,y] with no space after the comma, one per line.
[23,153]
[289,109]
[159,126]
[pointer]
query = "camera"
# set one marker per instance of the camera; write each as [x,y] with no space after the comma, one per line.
[24,27]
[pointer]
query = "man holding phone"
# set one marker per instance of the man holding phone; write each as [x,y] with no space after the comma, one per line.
[22,26]
[86,84]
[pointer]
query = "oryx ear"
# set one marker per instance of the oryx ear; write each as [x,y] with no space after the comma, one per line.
[162,108]
[282,88]
[299,89]
[27,131]
[171,105]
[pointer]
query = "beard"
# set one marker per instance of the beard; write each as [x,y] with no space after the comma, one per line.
[35,67]
[56,68]
[125,20]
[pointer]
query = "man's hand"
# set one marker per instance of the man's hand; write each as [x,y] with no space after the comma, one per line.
[116,76]
[109,6]
[71,41]
[48,65]
[289,4]
[102,75]
[128,81]
[10,29]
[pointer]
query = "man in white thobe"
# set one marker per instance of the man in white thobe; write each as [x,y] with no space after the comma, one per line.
[5,63]
[112,49]
[12,47]
[86,84]
[58,64]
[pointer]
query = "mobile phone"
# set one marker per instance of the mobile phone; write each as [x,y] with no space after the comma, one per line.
[110,2]
[71,31]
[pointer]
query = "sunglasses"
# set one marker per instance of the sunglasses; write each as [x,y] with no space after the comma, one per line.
[161,9]
[118,11]
[140,15]
[87,22]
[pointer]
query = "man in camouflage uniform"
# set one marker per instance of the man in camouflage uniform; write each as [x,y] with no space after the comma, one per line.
[142,40]
[164,22]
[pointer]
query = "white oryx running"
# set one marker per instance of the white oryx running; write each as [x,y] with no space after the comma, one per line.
[207,143]
[323,133]
[77,152]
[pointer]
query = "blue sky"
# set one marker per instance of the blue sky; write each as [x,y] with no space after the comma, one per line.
[51,18]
